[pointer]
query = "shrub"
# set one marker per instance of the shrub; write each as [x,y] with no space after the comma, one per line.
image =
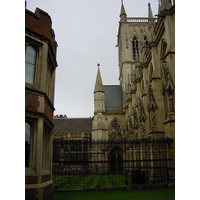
[138,176]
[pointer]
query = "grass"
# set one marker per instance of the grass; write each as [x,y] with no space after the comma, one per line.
[153,194]
[73,182]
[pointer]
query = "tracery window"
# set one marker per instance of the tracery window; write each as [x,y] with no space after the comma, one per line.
[135,48]
[116,131]
[30,63]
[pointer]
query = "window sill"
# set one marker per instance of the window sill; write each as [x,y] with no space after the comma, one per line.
[29,172]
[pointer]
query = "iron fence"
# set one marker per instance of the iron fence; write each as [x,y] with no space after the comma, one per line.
[89,165]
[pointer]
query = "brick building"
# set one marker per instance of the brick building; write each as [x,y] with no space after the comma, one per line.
[40,66]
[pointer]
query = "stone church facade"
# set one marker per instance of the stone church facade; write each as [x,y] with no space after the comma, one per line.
[134,122]
[143,105]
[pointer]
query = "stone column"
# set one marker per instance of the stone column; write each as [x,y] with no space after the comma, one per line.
[50,159]
[39,146]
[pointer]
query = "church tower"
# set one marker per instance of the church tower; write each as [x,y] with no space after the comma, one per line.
[140,75]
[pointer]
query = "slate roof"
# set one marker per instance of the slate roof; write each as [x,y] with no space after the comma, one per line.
[113,97]
[72,125]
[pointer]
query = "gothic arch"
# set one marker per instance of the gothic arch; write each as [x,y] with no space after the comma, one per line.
[116,160]
[170,85]
[163,49]
[135,48]
[146,40]
[110,126]
[33,45]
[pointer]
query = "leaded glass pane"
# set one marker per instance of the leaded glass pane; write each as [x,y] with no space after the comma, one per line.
[27,144]
[30,65]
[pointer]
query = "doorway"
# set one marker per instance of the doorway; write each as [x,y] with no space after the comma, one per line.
[116,160]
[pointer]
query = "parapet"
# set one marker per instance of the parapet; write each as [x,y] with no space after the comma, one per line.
[39,24]
[60,117]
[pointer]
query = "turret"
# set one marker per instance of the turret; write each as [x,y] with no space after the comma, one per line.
[98,125]
[99,104]
[123,16]
[150,20]
[150,13]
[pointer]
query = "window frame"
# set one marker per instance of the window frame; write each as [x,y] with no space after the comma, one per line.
[33,65]
[31,144]
[135,48]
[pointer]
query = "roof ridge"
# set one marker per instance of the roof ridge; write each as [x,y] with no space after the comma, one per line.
[111,85]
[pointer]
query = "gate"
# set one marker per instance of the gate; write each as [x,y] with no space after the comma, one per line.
[89,165]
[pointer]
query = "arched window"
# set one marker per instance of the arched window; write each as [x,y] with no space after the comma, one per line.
[163,50]
[30,63]
[115,131]
[135,49]
[27,144]
[146,40]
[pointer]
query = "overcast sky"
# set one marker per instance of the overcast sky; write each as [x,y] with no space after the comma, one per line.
[86,33]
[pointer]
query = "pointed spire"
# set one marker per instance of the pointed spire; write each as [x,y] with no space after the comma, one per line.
[98,84]
[150,13]
[123,14]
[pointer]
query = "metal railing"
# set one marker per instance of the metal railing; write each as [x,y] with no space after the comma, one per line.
[111,164]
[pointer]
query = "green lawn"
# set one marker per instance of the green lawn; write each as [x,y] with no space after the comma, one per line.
[153,194]
[73,182]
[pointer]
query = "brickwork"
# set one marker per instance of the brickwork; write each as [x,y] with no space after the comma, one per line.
[31,102]
[30,194]
[31,180]
[46,178]
[48,192]
[40,23]
[48,111]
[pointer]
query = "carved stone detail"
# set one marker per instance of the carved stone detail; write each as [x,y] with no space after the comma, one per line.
[166,76]
[151,99]
[142,116]
[135,119]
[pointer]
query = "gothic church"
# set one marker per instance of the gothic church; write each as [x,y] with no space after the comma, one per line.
[143,105]
[141,108]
